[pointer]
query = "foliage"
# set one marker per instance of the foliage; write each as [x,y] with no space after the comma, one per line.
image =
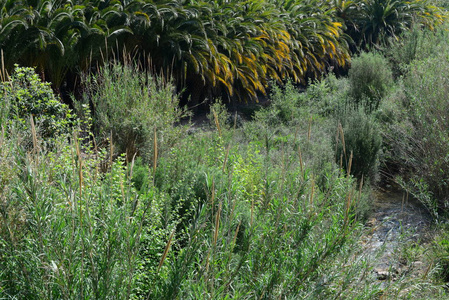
[69,231]
[285,103]
[421,135]
[370,79]
[215,47]
[358,143]
[258,211]
[133,108]
[371,23]
[416,44]
[25,95]
[440,251]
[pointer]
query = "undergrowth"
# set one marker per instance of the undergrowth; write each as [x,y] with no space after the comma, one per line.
[126,203]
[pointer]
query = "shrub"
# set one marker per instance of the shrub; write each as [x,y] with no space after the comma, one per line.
[440,251]
[370,78]
[25,95]
[421,138]
[359,135]
[285,103]
[131,105]
[414,45]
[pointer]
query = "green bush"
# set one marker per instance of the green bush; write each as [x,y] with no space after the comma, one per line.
[370,78]
[25,95]
[69,231]
[421,138]
[286,101]
[131,105]
[358,135]
[414,45]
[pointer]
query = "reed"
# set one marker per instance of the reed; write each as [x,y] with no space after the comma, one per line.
[167,248]
[217,122]
[155,152]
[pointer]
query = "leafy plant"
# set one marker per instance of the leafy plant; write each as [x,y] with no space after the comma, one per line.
[135,109]
[68,230]
[370,79]
[358,143]
[26,96]
[421,136]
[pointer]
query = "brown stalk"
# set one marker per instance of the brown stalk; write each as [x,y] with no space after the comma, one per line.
[132,165]
[300,160]
[428,270]
[167,248]
[207,262]
[3,75]
[217,123]
[313,191]
[234,240]
[350,165]
[217,224]
[155,154]
[296,135]
[2,137]
[236,233]
[348,206]
[212,197]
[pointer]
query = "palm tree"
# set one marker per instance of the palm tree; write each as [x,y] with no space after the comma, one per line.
[14,23]
[372,22]
[317,39]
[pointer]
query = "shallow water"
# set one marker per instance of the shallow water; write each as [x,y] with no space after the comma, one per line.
[397,220]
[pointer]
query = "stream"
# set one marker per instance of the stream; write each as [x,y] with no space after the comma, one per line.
[396,220]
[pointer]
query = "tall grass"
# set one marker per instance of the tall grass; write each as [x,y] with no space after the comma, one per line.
[69,231]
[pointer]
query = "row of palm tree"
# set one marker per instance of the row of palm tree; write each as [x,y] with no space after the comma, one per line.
[226,47]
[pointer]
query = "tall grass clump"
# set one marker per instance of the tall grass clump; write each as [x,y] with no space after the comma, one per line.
[69,230]
[370,78]
[129,105]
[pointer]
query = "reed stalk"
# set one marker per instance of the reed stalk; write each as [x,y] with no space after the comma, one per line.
[167,248]
[217,224]
[217,122]
[155,153]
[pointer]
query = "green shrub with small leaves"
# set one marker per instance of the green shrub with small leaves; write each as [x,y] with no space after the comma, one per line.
[135,109]
[370,78]
[285,103]
[421,136]
[358,144]
[25,95]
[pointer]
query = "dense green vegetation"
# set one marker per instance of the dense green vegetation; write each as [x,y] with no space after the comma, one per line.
[121,196]
[214,48]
